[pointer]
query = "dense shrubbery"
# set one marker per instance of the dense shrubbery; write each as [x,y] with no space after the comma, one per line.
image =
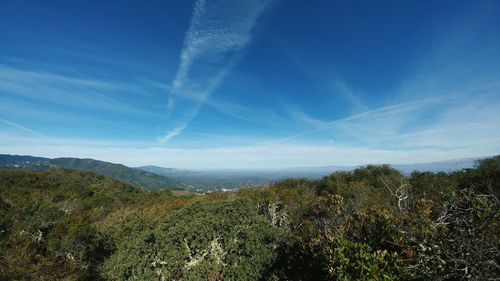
[370,224]
[48,229]
[425,227]
[214,240]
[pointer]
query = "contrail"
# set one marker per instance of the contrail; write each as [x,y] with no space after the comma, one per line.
[28,130]
[217,32]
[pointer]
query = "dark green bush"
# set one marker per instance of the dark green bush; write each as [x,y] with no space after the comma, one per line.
[207,240]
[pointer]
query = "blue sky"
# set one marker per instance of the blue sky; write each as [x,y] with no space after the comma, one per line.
[250,84]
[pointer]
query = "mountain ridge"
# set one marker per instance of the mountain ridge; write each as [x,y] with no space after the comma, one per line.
[203,180]
[133,176]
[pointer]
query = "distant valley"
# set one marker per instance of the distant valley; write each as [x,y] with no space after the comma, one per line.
[154,177]
[224,179]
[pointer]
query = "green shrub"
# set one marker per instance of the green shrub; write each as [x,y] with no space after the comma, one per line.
[207,240]
[344,259]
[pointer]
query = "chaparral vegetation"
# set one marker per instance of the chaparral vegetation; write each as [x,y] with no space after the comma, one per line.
[373,223]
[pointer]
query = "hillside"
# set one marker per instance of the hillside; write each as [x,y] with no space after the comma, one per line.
[25,162]
[133,176]
[47,229]
[372,223]
[153,177]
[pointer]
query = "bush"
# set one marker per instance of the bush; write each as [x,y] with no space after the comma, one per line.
[344,259]
[204,241]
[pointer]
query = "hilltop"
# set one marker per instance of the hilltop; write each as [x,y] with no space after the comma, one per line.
[133,176]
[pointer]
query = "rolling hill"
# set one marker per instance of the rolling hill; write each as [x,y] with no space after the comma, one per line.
[136,177]
[154,177]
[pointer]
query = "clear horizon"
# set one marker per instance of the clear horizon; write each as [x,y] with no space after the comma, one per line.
[240,84]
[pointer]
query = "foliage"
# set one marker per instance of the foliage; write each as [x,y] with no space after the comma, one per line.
[203,241]
[369,224]
[344,259]
[47,229]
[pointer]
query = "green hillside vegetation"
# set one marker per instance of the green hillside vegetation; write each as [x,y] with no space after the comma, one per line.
[117,171]
[7,159]
[133,176]
[369,224]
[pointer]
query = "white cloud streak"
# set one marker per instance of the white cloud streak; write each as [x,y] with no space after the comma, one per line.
[60,89]
[462,117]
[218,30]
[170,134]
[382,115]
[30,131]
[272,156]
[343,90]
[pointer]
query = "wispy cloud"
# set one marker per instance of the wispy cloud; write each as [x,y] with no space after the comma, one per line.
[342,89]
[172,133]
[463,116]
[30,131]
[218,31]
[381,114]
[271,156]
[68,90]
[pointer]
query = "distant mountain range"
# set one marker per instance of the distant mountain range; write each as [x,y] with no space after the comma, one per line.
[439,166]
[136,177]
[203,180]
[153,177]
[7,160]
